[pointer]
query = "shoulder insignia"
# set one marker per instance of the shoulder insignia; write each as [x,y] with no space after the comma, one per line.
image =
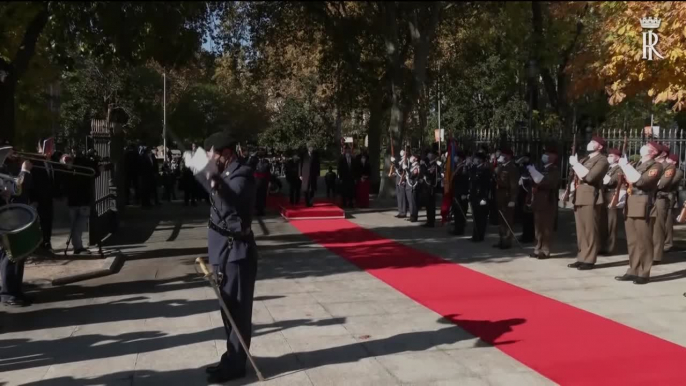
[669,173]
[652,172]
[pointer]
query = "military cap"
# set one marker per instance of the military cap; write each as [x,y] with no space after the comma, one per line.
[220,141]
[614,152]
[600,140]
[674,158]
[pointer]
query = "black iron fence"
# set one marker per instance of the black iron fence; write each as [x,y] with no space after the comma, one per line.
[522,141]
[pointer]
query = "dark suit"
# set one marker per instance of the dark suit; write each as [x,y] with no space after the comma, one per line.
[309,172]
[233,254]
[346,174]
[293,179]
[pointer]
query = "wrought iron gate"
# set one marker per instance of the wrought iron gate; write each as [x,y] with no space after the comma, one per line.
[103,219]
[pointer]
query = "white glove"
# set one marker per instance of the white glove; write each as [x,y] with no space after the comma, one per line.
[529,167]
[464,197]
[510,204]
[439,163]
[521,181]
[468,161]
[201,162]
[623,161]
[606,180]
[404,166]
[573,160]
[392,159]
[482,203]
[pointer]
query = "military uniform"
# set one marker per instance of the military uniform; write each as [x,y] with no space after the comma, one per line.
[507,180]
[232,252]
[460,180]
[412,189]
[609,217]
[400,167]
[525,212]
[587,203]
[543,204]
[640,216]
[262,177]
[673,200]
[480,182]
[662,205]
[431,181]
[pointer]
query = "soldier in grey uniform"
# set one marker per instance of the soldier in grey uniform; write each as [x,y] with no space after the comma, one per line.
[399,167]
[231,248]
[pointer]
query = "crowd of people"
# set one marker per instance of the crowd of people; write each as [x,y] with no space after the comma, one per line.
[47,176]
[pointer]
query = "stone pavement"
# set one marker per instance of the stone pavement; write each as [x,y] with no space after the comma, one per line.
[318,320]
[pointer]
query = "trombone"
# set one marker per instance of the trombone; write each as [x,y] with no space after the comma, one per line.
[37,157]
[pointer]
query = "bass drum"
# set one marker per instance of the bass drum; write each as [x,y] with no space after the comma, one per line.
[20,233]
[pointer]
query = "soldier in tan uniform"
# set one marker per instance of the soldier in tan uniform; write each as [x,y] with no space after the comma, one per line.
[640,212]
[544,201]
[673,159]
[609,217]
[589,173]
[662,201]
[507,187]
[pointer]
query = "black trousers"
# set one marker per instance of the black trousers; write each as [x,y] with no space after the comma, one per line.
[261,188]
[45,214]
[348,192]
[480,213]
[12,275]
[330,190]
[132,182]
[459,220]
[528,234]
[402,200]
[411,202]
[237,288]
[430,204]
[294,191]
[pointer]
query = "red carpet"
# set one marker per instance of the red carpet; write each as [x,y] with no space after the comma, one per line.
[319,211]
[563,343]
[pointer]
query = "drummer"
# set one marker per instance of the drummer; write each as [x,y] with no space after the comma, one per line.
[12,273]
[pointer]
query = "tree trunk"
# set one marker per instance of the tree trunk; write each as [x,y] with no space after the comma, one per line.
[7,92]
[374,131]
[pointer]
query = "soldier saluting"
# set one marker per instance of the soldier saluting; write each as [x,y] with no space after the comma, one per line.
[507,187]
[231,246]
[609,216]
[544,201]
[639,212]
[589,173]
[662,201]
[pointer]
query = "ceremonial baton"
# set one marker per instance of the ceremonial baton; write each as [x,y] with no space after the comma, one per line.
[215,286]
[510,228]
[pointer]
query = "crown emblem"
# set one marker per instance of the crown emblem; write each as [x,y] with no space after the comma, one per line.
[650,22]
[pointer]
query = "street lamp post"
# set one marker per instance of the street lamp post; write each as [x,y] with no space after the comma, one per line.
[164,117]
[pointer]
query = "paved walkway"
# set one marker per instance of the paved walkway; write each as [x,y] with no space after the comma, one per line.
[317,320]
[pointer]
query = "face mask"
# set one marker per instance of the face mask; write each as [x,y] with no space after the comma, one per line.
[497,154]
[591,147]
[402,153]
[645,151]
[501,159]
[544,158]
[364,159]
[612,159]
[413,160]
[310,149]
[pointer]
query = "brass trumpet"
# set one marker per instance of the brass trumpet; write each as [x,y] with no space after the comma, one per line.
[37,157]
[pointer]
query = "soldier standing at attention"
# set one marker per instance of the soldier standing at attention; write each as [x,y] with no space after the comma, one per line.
[524,199]
[399,168]
[431,179]
[662,201]
[639,214]
[480,180]
[673,159]
[414,183]
[544,201]
[460,180]
[609,217]
[231,246]
[507,186]
[587,201]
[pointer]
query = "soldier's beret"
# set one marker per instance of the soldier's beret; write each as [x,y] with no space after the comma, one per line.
[665,149]
[506,151]
[656,146]
[551,150]
[600,140]
[674,158]
[615,152]
[220,141]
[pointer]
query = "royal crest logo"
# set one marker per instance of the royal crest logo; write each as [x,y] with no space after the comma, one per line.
[650,38]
